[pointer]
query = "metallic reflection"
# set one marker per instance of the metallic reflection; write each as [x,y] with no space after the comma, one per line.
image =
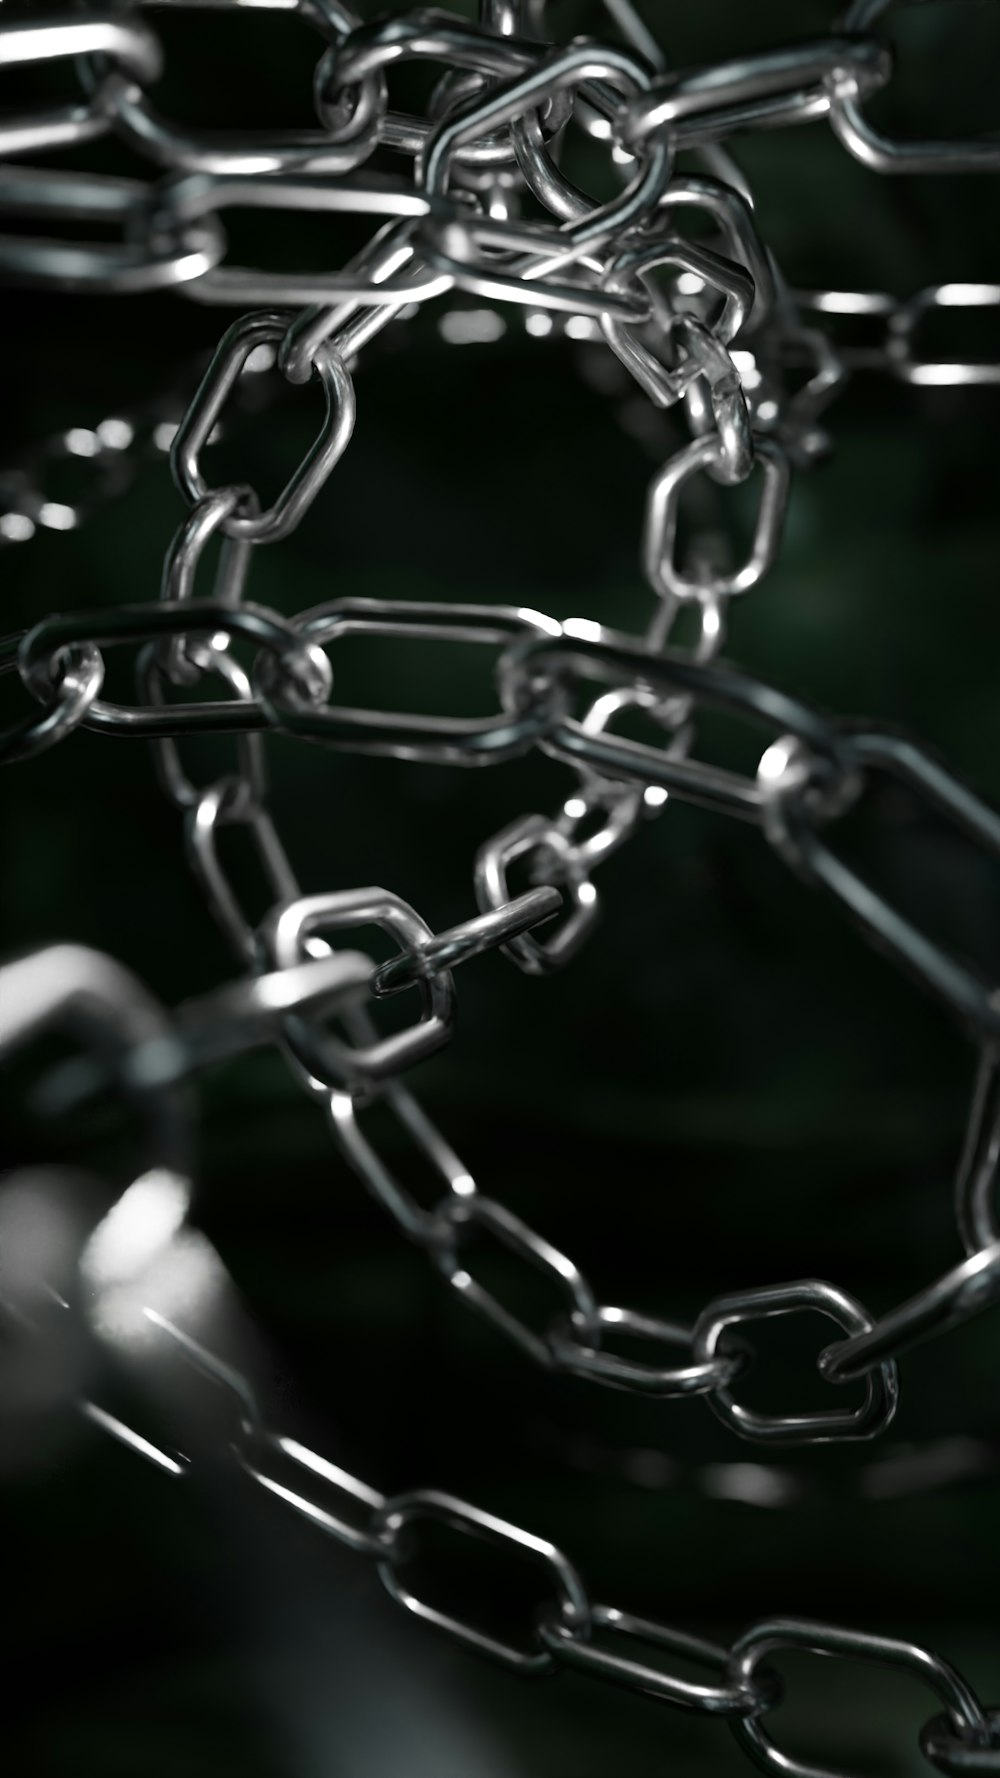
[136,1229]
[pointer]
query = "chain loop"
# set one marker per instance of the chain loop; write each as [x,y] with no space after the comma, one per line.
[158,138]
[882,154]
[660,526]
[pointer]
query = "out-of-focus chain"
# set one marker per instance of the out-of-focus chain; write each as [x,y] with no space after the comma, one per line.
[570,1631]
[707,327]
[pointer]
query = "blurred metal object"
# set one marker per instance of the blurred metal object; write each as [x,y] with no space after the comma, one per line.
[792,778]
[968,1289]
[446,740]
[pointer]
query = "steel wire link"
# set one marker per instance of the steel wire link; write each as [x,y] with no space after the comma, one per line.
[720,336]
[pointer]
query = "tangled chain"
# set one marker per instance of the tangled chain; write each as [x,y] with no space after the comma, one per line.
[489,211]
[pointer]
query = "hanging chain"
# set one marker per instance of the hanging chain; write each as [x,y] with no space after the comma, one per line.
[707,327]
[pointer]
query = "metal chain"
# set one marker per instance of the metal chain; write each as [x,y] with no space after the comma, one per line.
[572,1632]
[717,335]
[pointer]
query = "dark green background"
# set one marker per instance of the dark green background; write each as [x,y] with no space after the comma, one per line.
[727,1088]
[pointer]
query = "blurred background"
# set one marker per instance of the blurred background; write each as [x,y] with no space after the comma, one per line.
[726,1088]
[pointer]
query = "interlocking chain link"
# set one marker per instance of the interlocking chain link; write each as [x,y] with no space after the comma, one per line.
[483,208]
